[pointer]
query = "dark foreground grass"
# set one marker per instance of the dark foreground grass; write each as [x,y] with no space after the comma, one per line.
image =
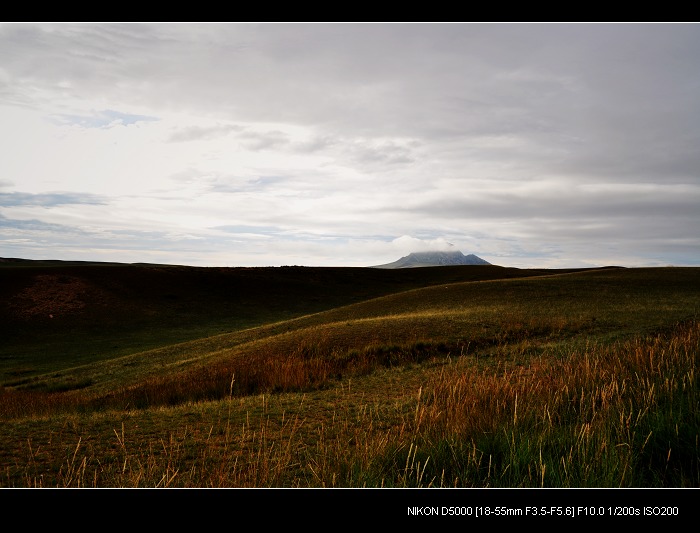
[585,380]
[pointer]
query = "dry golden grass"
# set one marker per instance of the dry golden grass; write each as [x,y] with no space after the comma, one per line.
[593,383]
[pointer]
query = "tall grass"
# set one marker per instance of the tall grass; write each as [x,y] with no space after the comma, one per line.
[621,416]
[568,381]
[420,415]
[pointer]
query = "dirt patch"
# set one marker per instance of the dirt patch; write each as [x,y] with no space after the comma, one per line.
[53,296]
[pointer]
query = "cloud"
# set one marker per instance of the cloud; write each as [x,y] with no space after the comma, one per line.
[101,119]
[522,143]
[408,244]
[33,225]
[558,200]
[369,153]
[243,229]
[203,133]
[256,141]
[48,199]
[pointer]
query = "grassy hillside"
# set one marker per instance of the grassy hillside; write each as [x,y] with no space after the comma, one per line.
[472,376]
[48,309]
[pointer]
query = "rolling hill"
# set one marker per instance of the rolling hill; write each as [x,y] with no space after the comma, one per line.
[124,308]
[141,375]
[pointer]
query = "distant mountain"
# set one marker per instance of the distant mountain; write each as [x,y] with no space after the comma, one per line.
[424,259]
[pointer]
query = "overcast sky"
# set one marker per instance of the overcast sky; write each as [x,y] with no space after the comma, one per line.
[529,145]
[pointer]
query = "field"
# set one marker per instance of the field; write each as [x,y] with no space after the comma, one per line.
[116,375]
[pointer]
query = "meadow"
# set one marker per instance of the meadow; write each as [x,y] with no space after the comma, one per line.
[303,377]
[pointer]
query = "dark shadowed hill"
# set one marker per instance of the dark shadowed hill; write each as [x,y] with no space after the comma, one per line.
[425,259]
[82,311]
[56,294]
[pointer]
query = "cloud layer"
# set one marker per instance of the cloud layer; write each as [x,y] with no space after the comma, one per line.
[530,145]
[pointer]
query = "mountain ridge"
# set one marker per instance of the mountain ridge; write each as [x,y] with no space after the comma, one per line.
[434,258]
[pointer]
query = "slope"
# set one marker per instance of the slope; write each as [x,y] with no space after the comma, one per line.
[454,318]
[56,315]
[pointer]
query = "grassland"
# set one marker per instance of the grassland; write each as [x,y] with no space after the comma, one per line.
[472,376]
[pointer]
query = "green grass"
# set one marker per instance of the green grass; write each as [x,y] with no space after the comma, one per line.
[123,309]
[446,378]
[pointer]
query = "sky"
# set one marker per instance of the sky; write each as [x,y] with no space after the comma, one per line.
[553,145]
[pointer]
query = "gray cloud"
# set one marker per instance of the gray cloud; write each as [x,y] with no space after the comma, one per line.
[258,184]
[263,141]
[48,199]
[525,140]
[33,225]
[245,229]
[561,202]
[101,119]
[197,133]
[218,182]
[39,234]
[366,154]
